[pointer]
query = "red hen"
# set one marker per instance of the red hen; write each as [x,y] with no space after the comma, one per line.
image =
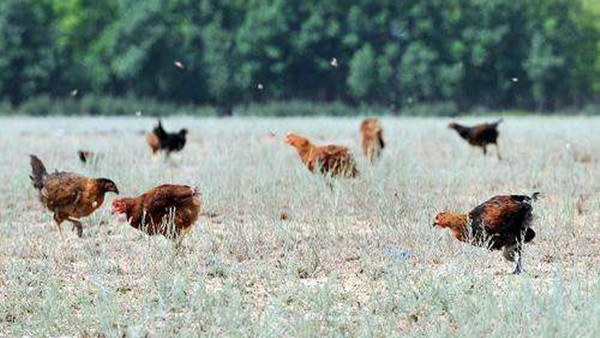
[169,210]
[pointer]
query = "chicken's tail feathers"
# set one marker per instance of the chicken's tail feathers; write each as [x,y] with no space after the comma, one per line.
[381,141]
[197,196]
[529,235]
[38,172]
[495,124]
[536,195]
[159,131]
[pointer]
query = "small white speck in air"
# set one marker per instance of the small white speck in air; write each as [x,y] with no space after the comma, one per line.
[515,79]
[260,86]
[74,92]
[179,64]
[334,62]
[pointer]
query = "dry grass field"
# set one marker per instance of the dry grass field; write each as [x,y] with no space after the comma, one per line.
[279,254]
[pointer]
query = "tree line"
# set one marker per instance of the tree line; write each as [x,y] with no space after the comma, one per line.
[500,54]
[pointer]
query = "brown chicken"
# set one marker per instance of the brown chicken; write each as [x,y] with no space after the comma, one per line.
[69,196]
[503,222]
[480,135]
[372,138]
[169,210]
[329,160]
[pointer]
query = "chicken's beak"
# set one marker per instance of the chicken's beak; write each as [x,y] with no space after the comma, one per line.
[114,189]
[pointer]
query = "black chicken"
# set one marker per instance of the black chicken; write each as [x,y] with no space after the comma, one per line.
[160,139]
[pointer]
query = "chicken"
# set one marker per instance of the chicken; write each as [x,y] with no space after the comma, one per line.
[480,135]
[502,222]
[88,157]
[69,196]
[372,139]
[159,139]
[169,210]
[330,159]
[84,155]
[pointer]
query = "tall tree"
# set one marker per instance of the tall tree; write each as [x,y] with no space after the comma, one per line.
[28,61]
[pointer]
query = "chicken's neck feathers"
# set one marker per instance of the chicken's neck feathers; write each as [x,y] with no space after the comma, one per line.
[134,213]
[462,230]
[462,130]
[306,152]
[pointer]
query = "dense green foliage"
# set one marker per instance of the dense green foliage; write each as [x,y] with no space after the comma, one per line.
[532,54]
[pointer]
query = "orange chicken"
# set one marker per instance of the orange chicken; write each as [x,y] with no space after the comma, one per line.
[328,160]
[372,138]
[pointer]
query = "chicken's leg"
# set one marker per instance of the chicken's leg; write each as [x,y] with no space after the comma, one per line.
[519,267]
[177,245]
[77,226]
[327,182]
[59,221]
[484,150]
[519,251]
[498,152]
